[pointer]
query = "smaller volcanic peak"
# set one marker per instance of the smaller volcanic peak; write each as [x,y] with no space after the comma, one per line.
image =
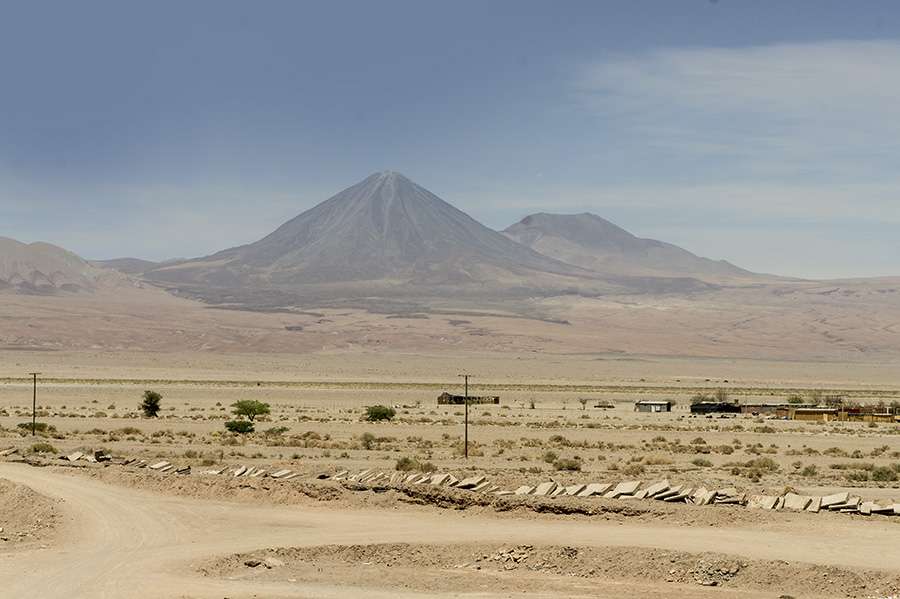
[594,243]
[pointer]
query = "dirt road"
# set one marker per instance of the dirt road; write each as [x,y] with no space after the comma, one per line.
[127,543]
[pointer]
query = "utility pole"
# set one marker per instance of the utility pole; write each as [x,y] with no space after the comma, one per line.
[466,439]
[34,403]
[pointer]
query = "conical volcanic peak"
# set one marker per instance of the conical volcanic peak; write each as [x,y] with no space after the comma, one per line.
[595,243]
[385,228]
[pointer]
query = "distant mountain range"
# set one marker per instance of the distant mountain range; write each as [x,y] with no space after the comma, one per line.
[45,269]
[387,237]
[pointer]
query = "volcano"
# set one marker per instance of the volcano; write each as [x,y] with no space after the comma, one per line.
[384,235]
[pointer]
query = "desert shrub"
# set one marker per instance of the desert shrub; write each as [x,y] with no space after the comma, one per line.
[725,449]
[550,457]
[242,427]
[367,441]
[275,431]
[42,448]
[884,474]
[150,404]
[39,427]
[701,462]
[130,430]
[250,408]
[857,475]
[809,471]
[568,464]
[633,469]
[379,413]
[408,464]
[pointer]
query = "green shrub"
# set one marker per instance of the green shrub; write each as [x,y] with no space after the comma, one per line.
[242,427]
[150,405]
[550,457]
[379,413]
[809,471]
[275,431]
[42,448]
[701,462]
[884,474]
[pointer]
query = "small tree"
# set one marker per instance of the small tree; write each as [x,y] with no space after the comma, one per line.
[250,408]
[150,404]
[583,401]
[378,413]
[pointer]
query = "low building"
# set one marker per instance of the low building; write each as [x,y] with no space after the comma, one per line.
[448,399]
[715,407]
[649,405]
[813,414]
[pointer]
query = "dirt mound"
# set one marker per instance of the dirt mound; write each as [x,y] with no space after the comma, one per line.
[25,516]
[469,567]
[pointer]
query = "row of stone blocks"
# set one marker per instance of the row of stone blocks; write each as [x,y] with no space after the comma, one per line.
[369,477]
[660,491]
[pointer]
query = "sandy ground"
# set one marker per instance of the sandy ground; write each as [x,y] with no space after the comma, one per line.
[134,543]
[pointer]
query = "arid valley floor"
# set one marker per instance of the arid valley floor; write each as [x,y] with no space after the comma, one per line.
[114,530]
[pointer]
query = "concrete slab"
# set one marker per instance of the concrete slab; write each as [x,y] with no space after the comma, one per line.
[280,473]
[183,470]
[250,470]
[485,486]
[681,496]
[852,503]
[470,482]
[166,468]
[504,493]
[795,502]
[815,504]
[340,475]
[642,494]
[706,498]
[762,502]
[452,481]
[258,473]
[74,457]
[594,489]
[559,490]
[671,492]
[882,508]
[896,507]
[836,499]
[409,479]
[291,476]
[698,493]
[625,488]
[440,479]
[573,490]
[728,492]
[159,465]
[524,490]
[780,503]
[545,489]
[865,508]
[657,487]
[8,451]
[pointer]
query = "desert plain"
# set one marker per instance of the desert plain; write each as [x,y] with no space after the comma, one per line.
[566,416]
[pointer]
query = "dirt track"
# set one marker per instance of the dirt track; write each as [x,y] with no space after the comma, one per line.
[128,543]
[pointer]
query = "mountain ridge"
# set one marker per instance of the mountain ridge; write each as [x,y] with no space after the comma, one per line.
[592,242]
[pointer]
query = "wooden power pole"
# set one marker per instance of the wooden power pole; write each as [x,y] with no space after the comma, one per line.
[34,403]
[466,438]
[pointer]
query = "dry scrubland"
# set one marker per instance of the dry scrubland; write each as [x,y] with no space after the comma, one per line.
[541,431]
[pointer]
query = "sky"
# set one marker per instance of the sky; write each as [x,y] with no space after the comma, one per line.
[766,133]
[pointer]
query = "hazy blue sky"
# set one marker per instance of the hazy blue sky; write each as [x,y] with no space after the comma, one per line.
[766,133]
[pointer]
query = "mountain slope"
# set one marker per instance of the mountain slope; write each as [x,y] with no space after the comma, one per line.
[129,266]
[591,242]
[42,268]
[384,232]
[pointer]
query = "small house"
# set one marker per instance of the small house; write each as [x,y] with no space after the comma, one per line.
[652,406]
